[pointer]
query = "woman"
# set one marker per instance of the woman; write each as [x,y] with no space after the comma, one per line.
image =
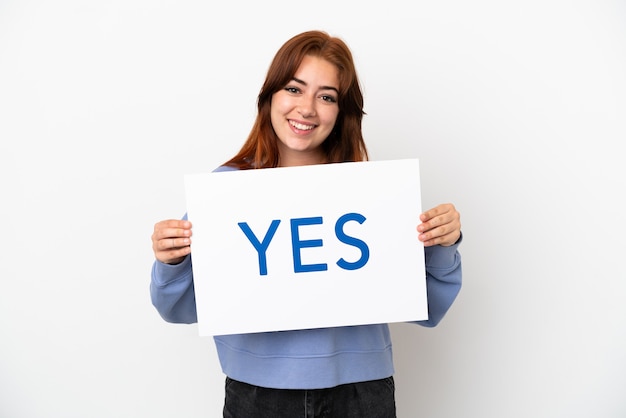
[310,110]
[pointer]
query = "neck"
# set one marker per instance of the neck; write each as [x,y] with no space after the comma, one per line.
[301,158]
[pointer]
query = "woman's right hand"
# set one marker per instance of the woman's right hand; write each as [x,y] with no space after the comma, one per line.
[171,240]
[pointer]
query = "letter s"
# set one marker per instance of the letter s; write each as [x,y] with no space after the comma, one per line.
[355,242]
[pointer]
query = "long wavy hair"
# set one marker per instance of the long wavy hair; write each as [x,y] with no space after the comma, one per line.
[345,143]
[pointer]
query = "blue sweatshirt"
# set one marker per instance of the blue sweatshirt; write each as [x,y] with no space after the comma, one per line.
[311,358]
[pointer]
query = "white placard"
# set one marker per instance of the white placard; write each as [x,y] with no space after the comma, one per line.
[307,247]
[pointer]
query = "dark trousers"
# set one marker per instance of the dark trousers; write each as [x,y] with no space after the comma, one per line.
[373,399]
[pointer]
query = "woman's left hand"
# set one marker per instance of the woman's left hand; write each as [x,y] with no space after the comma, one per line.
[440,225]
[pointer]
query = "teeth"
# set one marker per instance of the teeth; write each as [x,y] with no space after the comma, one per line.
[301,126]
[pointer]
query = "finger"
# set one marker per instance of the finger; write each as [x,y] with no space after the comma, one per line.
[174,256]
[172,223]
[436,233]
[439,221]
[447,234]
[442,214]
[172,250]
[436,211]
[445,240]
[172,229]
[169,244]
[431,224]
[449,230]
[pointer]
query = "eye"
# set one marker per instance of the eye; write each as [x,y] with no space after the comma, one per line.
[292,89]
[328,98]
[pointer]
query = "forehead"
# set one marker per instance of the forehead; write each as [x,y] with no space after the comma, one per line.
[318,72]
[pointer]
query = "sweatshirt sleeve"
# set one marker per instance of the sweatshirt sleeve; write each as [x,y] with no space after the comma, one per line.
[172,291]
[443,280]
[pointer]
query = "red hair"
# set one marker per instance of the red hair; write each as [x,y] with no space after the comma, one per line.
[345,143]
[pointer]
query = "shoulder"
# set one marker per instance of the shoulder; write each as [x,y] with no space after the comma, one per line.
[225,168]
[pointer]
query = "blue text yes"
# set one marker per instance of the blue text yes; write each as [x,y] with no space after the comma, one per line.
[297,244]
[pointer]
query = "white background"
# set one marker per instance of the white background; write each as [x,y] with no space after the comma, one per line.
[516,111]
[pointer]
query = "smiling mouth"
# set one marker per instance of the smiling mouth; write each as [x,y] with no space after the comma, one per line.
[300,126]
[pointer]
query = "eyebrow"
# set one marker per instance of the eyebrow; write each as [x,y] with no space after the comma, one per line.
[297,80]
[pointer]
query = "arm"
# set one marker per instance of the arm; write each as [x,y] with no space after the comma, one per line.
[440,231]
[171,284]
[172,291]
[443,280]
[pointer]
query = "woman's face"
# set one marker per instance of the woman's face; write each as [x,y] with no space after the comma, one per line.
[304,112]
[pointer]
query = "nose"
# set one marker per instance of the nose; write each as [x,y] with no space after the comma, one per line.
[306,107]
